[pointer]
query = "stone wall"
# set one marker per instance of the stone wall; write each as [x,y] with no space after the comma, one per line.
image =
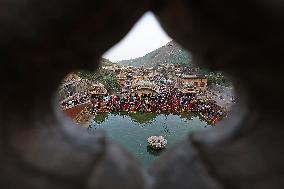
[42,41]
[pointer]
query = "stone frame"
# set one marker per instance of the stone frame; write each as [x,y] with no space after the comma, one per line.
[43,41]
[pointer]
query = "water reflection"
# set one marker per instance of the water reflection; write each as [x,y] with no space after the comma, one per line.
[165,127]
[187,116]
[154,152]
[132,130]
[143,118]
[100,118]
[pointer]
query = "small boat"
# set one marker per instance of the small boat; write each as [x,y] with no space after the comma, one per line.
[157,142]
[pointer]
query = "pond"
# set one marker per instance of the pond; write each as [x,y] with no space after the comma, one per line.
[132,130]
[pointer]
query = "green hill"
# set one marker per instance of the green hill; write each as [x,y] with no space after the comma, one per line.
[171,53]
[105,62]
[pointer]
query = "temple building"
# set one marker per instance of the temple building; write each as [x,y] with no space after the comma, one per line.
[144,87]
[97,89]
[199,82]
[122,79]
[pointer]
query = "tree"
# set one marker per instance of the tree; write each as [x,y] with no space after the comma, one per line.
[107,78]
[103,76]
[217,78]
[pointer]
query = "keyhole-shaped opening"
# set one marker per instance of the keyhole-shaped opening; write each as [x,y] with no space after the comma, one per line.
[146,86]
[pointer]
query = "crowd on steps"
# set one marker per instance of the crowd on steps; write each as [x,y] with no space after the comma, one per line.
[170,102]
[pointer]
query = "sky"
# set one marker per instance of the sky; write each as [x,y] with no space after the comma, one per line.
[145,36]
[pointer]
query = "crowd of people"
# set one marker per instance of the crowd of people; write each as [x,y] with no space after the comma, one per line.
[74,100]
[170,102]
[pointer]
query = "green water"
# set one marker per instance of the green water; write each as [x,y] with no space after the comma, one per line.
[132,131]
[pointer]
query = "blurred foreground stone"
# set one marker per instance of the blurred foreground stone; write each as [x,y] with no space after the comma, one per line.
[43,41]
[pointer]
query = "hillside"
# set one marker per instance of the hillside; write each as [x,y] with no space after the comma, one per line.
[170,53]
[105,62]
